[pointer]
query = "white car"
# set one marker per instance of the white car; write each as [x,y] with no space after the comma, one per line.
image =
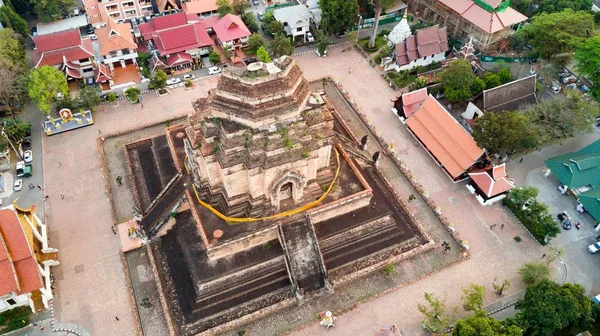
[188,76]
[310,37]
[555,87]
[173,81]
[28,156]
[18,185]
[20,168]
[595,247]
[214,70]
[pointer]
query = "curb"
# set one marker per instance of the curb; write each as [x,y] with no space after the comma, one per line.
[314,50]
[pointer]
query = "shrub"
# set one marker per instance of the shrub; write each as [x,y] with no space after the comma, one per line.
[517,239]
[389,270]
[214,58]
[532,214]
[112,97]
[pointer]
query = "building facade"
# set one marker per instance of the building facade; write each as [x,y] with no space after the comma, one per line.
[67,51]
[486,21]
[99,11]
[296,20]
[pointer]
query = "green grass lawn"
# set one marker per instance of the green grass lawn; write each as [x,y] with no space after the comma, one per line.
[14,319]
[379,42]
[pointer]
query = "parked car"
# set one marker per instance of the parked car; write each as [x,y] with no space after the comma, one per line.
[569,79]
[214,70]
[188,76]
[255,2]
[555,86]
[565,220]
[26,143]
[34,31]
[18,185]
[595,247]
[310,37]
[249,60]
[260,16]
[173,81]
[596,299]
[28,156]
[571,86]
[20,168]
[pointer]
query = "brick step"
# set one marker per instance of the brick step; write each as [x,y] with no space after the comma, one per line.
[349,230]
[333,245]
[241,294]
[361,250]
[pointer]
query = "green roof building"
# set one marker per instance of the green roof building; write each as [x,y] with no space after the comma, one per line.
[578,169]
[591,202]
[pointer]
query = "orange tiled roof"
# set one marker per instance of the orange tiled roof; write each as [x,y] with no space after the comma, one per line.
[412,101]
[114,36]
[18,268]
[444,137]
[492,182]
[490,22]
[199,6]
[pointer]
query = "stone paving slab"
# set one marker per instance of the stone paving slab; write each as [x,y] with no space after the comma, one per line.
[90,285]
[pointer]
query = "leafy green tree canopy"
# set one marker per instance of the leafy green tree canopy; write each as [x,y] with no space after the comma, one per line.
[12,51]
[43,86]
[13,20]
[587,56]
[255,41]
[534,272]
[473,297]
[459,82]
[504,133]
[479,324]
[533,7]
[16,129]
[50,10]
[159,81]
[338,16]
[282,45]
[378,6]
[250,22]
[133,94]
[263,55]
[89,97]
[548,306]
[214,57]
[555,36]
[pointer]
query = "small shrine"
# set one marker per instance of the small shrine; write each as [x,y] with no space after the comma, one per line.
[400,32]
[67,121]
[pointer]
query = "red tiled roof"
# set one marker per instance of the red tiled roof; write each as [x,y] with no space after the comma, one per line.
[56,57]
[412,101]
[428,41]
[176,34]
[179,58]
[169,21]
[73,73]
[488,183]
[18,268]
[490,22]
[102,73]
[444,137]
[58,40]
[199,6]
[230,27]
[210,22]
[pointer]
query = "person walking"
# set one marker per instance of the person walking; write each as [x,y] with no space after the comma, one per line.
[39,187]
[114,230]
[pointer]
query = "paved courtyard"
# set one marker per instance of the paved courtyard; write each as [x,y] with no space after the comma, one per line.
[494,253]
[90,286]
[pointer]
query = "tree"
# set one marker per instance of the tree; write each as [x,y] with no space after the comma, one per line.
[378,5]
[533,7]
[587,56]
[255,41]
[555,36]
[479,324]
[250,22]
[548,306]
[473,297]
[89,97]
[214,58]
[322,42]
[500,287]
[477,86]
[263,55]
[44,84]
[274,28]
[559,119]
[282,45]
[338,16]
[555,253]
[227,53]
[520,196]
[419,83]
[133,94]
[142,60]
[504,75]
[16,129]
[504,133]
[50,10]
[534,272]
[12,51]
[491,80]
[239,8]
[159,81]
[112,97]
[13,20]
[10,95]
[224,7]
[458,80]
[435,312]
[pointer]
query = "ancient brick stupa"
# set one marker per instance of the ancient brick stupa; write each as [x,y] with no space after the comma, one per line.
[259,140]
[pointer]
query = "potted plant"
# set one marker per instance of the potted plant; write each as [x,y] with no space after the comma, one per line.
[188,84]
[133,94]
[112,99]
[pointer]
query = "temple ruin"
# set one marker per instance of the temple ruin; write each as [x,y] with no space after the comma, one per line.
[262,200]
